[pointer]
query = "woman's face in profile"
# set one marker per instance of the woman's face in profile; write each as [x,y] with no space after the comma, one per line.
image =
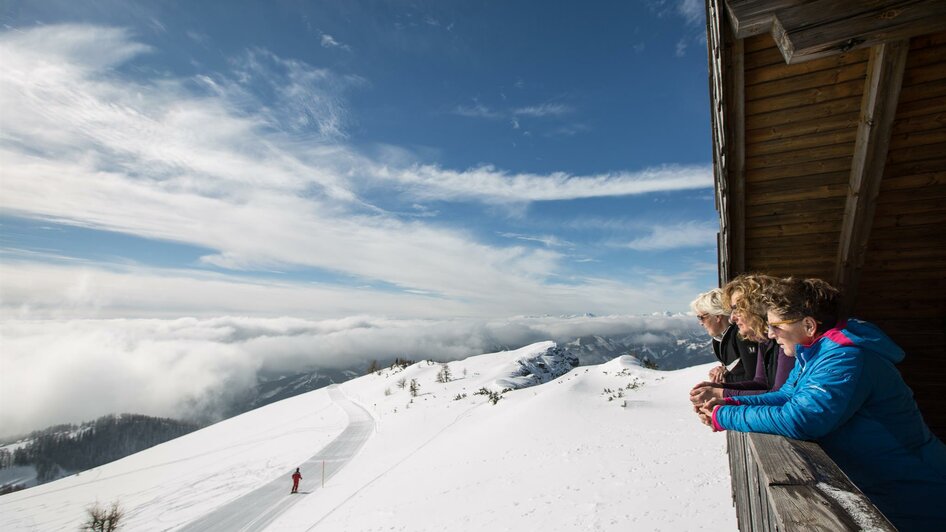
[788,333]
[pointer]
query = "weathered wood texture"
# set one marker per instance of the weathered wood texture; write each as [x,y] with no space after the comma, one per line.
[784,484]
[725,70]
[798,157]
[904,270]
[878,109]
[810,29]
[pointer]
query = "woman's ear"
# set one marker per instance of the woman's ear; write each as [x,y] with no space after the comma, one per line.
[811,326]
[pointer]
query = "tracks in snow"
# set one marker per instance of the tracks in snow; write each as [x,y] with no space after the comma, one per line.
[260,507]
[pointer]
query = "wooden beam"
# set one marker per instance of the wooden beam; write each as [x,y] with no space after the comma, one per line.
[755,17]
[737,150]
[811,29]
[878,109]
[828,27]
[717,36]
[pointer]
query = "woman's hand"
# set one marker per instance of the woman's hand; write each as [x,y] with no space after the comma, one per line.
[705,391]
[718,374]
[706,409]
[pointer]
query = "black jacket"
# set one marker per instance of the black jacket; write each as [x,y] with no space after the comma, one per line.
[731,348]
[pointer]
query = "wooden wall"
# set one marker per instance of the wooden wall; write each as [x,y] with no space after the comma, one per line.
[800,126]
[903,282]
[801,123]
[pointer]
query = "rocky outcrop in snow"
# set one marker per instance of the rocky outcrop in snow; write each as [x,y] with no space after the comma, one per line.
[534,369]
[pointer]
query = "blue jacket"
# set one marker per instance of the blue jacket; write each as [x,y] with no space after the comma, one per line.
[846,394]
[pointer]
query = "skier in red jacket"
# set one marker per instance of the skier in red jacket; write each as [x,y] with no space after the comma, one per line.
[296,477]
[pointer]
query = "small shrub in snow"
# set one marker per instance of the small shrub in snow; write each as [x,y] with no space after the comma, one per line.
[387,391]
[101,519]
[414,387]
[401,383]
[492,397]
[459,396]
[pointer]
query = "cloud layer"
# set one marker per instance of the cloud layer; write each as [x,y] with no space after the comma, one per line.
[203,161]
[58,371]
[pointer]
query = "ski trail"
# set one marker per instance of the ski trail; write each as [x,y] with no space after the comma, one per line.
[403,459]
[257,509]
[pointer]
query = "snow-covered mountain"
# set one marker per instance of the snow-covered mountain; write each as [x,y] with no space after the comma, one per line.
[272,387]
[667,350]
[605,447]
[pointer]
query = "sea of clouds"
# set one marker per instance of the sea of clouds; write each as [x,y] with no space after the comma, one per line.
[63,371]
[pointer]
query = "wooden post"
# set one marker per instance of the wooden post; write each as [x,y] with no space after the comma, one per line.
[878,109]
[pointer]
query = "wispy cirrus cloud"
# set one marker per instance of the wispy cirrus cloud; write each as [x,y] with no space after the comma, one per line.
[327,41]
[515,116]
[546,109]
[490,184]
[547,240]
[203,161]
[694,11]
[673,236]
[478,110]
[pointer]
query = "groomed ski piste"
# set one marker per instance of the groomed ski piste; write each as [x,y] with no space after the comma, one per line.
[607,447]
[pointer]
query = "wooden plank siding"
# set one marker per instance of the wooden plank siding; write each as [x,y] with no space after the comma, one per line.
[798,155]
[905,266]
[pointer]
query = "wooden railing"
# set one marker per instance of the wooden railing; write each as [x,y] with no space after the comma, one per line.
[784,484]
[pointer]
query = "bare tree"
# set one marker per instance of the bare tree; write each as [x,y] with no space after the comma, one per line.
[415,386]
[101,519]
[444,374]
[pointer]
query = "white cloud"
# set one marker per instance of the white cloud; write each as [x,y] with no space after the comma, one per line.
[547,240]
[477,110]
[693,11]
[201,161]
[681,49]
[489,184]
[59,371]
[681,235]
[330,42]
[546,109]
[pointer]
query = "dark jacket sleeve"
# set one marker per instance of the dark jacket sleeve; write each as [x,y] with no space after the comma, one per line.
[733,348]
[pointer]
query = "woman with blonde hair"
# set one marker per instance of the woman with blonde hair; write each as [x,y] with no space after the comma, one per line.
[728,347]
[846,394]
[743,297]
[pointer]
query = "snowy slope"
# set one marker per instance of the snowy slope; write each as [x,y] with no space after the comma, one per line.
[556,456]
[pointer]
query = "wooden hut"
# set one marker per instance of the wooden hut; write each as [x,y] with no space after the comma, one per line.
[829,151]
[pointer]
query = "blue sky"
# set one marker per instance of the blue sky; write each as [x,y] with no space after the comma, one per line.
[328,159]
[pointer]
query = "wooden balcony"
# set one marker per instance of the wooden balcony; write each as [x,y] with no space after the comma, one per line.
[784,484]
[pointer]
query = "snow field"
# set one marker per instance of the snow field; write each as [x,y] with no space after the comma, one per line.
[558,456]
[168,485]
